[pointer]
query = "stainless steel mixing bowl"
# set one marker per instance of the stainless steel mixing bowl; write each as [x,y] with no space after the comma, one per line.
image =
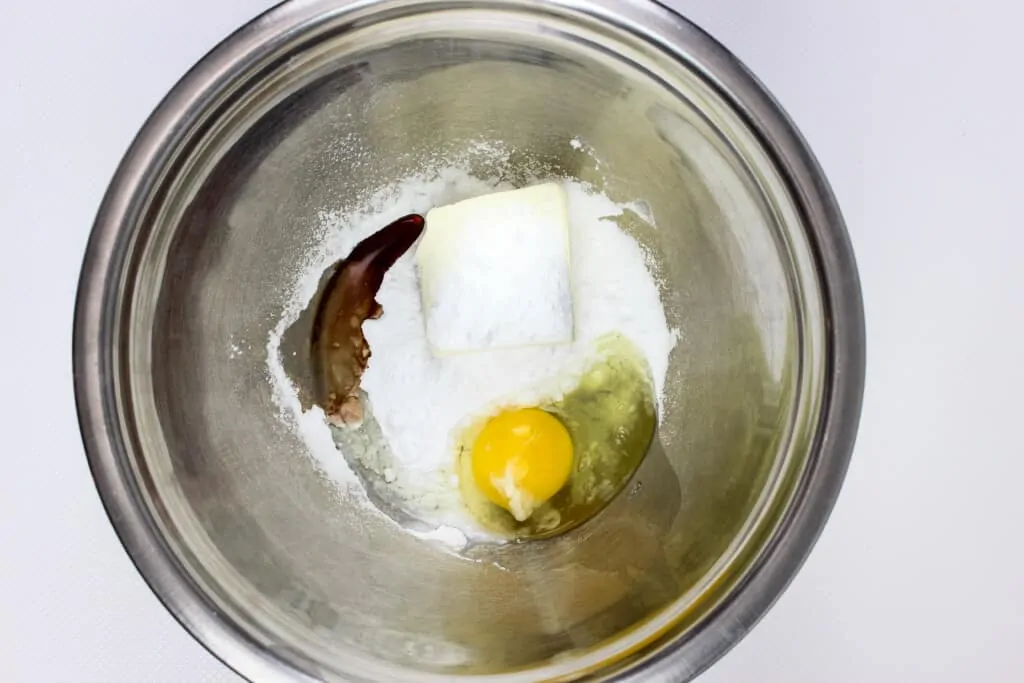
[316,104]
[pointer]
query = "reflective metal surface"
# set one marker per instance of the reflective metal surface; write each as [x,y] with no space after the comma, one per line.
[318,103]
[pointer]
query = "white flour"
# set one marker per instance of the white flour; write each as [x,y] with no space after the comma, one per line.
[417,398]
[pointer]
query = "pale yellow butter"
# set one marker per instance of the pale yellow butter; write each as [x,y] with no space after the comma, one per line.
[495,271]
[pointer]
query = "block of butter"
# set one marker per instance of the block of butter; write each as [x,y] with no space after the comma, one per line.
[494,271]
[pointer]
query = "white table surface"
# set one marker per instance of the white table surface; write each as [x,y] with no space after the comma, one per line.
[913,108]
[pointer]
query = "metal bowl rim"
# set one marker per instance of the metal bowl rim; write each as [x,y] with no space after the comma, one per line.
[92,338]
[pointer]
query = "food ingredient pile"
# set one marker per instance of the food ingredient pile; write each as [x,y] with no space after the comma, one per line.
[426,410]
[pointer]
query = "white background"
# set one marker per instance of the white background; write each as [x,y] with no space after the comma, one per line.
[913,108]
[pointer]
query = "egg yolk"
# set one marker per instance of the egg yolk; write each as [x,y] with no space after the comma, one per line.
[521,459]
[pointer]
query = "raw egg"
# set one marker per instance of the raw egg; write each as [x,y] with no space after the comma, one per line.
[521,459]
[546,460]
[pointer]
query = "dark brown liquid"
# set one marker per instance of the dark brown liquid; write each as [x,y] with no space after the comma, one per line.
[339,351]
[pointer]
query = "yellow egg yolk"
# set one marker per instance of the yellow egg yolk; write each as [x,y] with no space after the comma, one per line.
[521,459]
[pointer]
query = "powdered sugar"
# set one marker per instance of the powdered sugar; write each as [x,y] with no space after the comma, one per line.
[417,398]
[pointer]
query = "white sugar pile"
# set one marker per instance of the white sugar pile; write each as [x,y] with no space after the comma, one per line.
[418,398]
